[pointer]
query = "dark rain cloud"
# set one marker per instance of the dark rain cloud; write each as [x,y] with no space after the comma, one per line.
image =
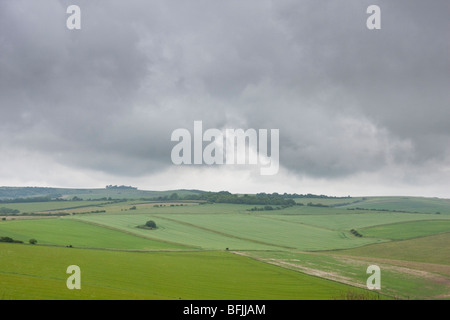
[345,99]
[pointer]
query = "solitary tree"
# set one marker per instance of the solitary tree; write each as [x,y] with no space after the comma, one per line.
[150,224]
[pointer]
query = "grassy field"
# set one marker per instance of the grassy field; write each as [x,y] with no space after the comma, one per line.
[328,201]
[78,234]
[411,204]
[226,251]
[175,232]
[258,228]
[348,220]
[233,231]
[406,230]
[33,207]
[36,272]
[433,249]
[398,280]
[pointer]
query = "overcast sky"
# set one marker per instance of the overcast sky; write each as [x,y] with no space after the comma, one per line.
[360,112]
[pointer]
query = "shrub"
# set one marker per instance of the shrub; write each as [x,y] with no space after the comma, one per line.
[4,210]
[32,241]
[356,233]
[6,239]
[10,240]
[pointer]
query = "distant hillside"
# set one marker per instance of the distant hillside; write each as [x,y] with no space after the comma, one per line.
[115,192]
[402,204]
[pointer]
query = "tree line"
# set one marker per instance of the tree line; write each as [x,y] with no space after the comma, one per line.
[227,197]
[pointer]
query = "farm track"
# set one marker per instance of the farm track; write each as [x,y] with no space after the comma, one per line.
[301,223]
[422,268]
[433,273]
[333,276]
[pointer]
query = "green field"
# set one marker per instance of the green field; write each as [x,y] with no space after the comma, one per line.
[406,230]
[226,251]
[259,229]
[433,249]
[175,232]
[348,220]
[328,201]
[33,207]
[33,272]
[66,232]
[398,280]
[411,204]
[233,231]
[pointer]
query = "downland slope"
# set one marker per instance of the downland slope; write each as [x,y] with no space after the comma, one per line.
[407,237]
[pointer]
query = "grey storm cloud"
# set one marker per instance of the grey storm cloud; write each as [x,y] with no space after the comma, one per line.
[108,96]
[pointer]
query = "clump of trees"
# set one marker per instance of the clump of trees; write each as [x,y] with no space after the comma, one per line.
[122,187]
[150,225]
[227,197]
[310,204]
[31,199]
[93,211]
[267,208]
[10,240]
[9,211]
[271,199]
[356,233]
[384,210]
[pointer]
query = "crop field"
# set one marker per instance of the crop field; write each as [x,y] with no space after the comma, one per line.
[199,250]
[406,230]
[66,232]
[347,221]
[433,249]
[233,231]
[55,206]
[399,279]
[279,233]
[177,233]
[40,273]
[411,204]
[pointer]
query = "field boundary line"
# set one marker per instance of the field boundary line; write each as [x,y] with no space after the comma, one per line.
[301,223]
[76,207]
[408,221]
